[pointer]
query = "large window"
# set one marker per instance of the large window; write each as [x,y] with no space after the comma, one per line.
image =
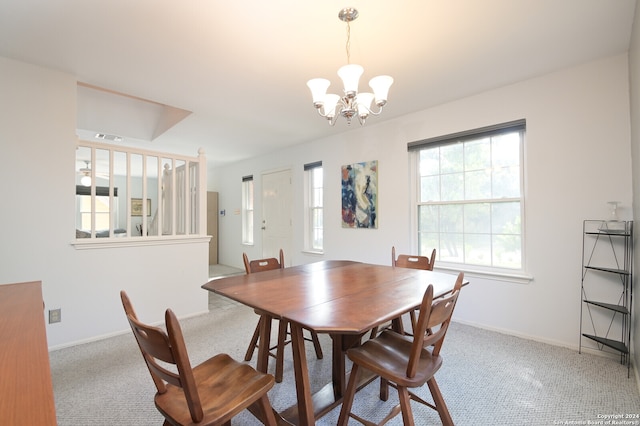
[314,222]
[247,210]
[469,197]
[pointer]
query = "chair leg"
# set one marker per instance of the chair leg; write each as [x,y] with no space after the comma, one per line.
[267,415]
[405,406]
[443,411]
[349,394]
[254,342]
[374,332]
[384,389]
[414,321]
[316,344]
[282,336]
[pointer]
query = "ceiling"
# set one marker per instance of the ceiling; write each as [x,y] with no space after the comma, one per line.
[230,76]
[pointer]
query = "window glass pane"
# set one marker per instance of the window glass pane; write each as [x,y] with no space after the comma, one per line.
[477,184]
[477,249]
[247,211]
[452,187]
[507,252]
[427,241]
[506,218]
[430,188]
[450,249]
[505,149]
[477,218]
[506,182]
[452,158]
[477,155]
[451,218]
[317,239]
[430,162]
[428,218]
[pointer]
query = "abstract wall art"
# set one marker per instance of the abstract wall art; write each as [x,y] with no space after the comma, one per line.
[360,195]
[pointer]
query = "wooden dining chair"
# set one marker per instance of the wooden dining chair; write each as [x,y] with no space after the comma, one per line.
[260,265]
[405,362]
[413,262]
[211,393]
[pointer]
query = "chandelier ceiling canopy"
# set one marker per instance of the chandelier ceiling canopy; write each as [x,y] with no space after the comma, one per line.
[351,103]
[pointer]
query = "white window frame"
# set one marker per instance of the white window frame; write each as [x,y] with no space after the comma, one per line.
[506,273]
[314,207]
[247,210]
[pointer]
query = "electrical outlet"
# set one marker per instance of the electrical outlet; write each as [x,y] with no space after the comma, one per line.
[55,315]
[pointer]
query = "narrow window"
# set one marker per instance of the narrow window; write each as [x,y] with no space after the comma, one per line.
[247,209]
[314,222]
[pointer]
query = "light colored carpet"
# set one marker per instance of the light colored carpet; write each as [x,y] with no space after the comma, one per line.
[487,378]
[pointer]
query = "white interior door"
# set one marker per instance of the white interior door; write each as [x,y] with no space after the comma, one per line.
[276,214]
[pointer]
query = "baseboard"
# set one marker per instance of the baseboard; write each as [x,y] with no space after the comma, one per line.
[115,334]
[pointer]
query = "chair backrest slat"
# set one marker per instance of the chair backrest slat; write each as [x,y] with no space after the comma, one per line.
[434,316]
[259,265]
[411,261]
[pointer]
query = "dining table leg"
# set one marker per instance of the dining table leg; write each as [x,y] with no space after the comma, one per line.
[306,415]
[264,343]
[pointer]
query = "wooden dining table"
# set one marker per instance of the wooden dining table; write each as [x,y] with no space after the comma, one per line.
[344,299]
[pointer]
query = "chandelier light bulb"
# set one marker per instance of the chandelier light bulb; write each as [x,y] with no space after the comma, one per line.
[318,87]
[86,180]
[380,86]
[350,75]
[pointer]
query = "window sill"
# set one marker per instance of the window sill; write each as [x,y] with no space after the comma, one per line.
[512,277]
[100,243]
[314,252]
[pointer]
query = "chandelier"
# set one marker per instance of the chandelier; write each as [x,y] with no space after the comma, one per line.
[351,103]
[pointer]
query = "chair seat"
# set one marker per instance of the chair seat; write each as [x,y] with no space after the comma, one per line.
[388,355]
[224,386]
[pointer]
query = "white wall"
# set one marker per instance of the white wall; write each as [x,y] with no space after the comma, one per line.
[37,148]
[578,157]
[634,74]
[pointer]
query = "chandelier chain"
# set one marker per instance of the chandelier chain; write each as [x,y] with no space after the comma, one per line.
[348,44]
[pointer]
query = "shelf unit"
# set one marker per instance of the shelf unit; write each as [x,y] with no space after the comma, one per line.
[606,289]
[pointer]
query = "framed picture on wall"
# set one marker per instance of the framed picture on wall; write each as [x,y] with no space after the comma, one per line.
[136,207]
[360,195]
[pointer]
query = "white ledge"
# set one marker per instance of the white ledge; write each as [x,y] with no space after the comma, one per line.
[99,243]
[513,277]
